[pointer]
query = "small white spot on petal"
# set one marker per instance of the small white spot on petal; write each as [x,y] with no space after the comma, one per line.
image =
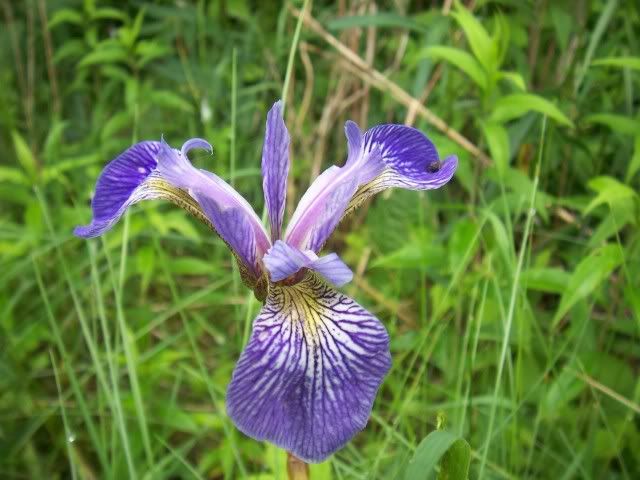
[142,170]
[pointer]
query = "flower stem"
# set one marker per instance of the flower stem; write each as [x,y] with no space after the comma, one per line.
[296,468]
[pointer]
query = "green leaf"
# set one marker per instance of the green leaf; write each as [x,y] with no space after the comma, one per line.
[432,449]
[588,275]
[546,279]
[109,14]
[102,55]
[517,105]
[624,62]
[617,123]
[10,174]
[25,155]
[514,78]
[460,59]
[65,15]
[478,38]
[498,141]
[610,191]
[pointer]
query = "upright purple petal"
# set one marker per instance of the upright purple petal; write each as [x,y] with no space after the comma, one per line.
[275,168]
[308,377]
[323,204]
[385,156]
[283,261]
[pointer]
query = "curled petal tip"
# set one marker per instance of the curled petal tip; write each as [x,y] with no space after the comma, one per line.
[196,143]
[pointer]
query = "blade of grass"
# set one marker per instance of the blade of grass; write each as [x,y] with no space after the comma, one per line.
[512,301]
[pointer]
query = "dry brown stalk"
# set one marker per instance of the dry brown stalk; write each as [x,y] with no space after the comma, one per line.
[359,67]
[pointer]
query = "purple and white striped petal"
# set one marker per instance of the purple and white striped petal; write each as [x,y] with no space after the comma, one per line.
[275,168]
[385,156]
[307,379]
[151,170]
[282,261]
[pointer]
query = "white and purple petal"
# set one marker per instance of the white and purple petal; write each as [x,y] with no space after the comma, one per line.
[308,377]
[275,168]
[323,204]
[282,261]
[385,156]
[150,170]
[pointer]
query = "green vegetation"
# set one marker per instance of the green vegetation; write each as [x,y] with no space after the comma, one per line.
[511,295]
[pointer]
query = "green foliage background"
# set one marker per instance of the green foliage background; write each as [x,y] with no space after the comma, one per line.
[511,295]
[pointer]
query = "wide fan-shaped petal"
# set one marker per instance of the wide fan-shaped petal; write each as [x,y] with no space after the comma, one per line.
[308,377]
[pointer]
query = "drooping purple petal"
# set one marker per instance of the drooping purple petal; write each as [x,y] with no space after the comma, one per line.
[152,170]
[229,213]
[275,168]
[120,185]
[283,261]
[307,379]
[410,156]
[385,156]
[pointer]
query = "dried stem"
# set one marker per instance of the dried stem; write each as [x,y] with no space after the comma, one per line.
[358,66]
[296,468]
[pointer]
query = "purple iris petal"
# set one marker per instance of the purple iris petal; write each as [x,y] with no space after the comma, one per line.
[275,168]
[411,158]
[118,187]
[307,379]
[231,215]
[333,269]
[385,156]
[321,207]
[282,261]
[131,176]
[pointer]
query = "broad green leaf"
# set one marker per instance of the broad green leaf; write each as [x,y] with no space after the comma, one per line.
[147,51]
[624,62]
[617,123]
[102,55]
[514,78]
[109,14]
[478,38]
[455,462]
[65,15]
[497,139]
[588,275]
[25,155]
[545,279]
[610,191]
[460,59]
[10,174]
[431,450]
[517,105]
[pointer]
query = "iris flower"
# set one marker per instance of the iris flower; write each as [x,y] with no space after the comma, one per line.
[307,378]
